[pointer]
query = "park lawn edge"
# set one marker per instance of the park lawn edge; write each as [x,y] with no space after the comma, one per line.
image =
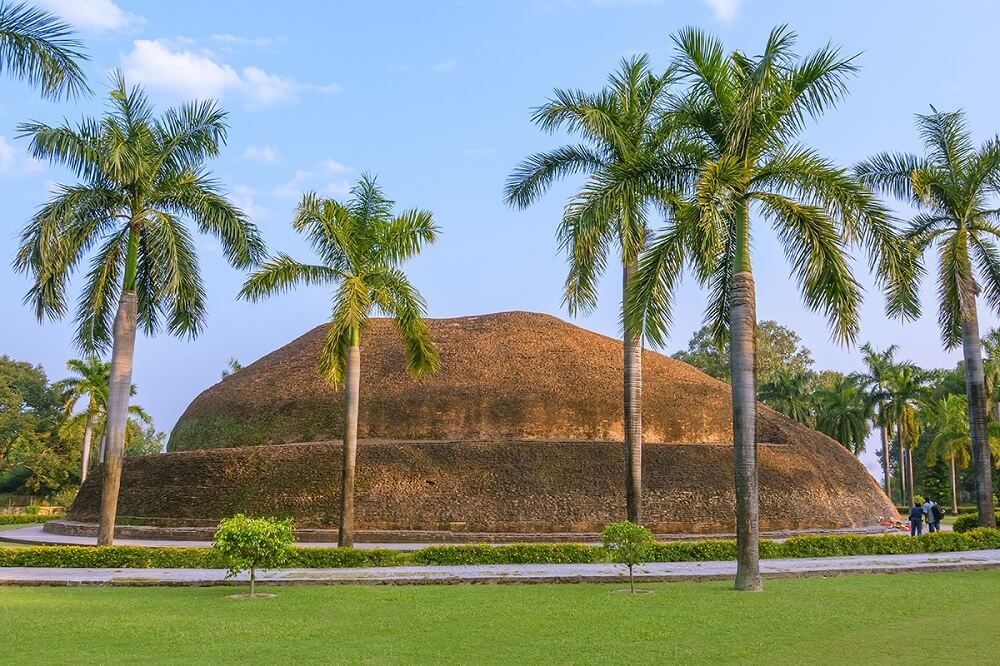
[518,553]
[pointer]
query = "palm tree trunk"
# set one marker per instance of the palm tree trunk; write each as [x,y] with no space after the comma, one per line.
[88,432]
[886,480]
[902,466]
[742,325]
[633,414]
[976,393]
[954,489]
[345,537]
[909,470]
[118,394]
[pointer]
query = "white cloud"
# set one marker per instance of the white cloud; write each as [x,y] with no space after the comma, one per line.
[335,166]
[264,154]
[13,162]
[244,198]
[725,10]
[445,66]
[98,15]
[293,188]
[198,74]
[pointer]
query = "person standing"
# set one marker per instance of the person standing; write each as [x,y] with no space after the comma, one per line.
[932,511]
[916,520]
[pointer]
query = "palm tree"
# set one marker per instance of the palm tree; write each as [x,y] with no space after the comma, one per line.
[746,113]
[844,411]
[141,177]
[232,367]
[954,187]
[991,374]
[361,245]
[951,440]
[89,383]
[790,393]
[907,390]
[626,157]
[40,49]
[878,366]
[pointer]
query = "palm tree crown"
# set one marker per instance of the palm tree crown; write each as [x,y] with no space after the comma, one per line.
[141,176]
[40,49]
[361,244]
[790,392]
[844,413]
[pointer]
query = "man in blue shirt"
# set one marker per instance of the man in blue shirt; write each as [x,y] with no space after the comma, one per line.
[916,520]
[932,523]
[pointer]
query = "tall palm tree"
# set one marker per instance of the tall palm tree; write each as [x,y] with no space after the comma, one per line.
[141,178]
[991,374]
[626,157]
[746,113]
[790,393]
[361,244]
[42,50]
[878,366]
[954,186]
[907,390]
[951,442]
[90,383]
[844,412]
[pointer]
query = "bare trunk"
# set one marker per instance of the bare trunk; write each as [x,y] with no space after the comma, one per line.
[633,415]
[88,431]
[253,581]
[104,442]
[954,489]
[909,471]
[118,394]
[976,393]
[886,481]
[345,537]
[742,325]
[902,466]
[631,580]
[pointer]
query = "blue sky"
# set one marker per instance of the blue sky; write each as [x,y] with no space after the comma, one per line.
[435,98]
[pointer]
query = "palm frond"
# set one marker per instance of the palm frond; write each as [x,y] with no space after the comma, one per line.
[281,273]
[396,297]
[536,174]
[42,50]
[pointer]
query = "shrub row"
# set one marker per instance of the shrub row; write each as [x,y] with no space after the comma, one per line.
[476,554]
[24,518]
[969,521]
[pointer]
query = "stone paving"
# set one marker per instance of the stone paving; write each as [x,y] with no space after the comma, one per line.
[543,573]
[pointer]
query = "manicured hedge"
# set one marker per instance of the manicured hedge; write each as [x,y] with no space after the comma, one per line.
[25,518]
[523,553]
[969,521]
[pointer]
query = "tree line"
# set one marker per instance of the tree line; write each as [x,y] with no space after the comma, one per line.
[711,146]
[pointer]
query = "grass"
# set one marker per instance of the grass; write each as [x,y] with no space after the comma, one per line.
[846,620]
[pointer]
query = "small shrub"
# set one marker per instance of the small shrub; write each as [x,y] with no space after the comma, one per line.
[253,543]
[25,519]
[968,521]
[628,544]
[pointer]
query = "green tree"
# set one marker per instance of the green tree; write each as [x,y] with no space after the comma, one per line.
[746,112]
[626,157]
[879,366]
[89,384]
[253,543]
[779,348]
[232,367]
[844,412]
[38,48]
[951,442]
[907,389]
[954,187]
[29,413]
[361,244]
[141,177]
[629,544]
[791,393]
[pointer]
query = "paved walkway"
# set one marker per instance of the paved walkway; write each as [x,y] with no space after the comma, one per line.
[543,573]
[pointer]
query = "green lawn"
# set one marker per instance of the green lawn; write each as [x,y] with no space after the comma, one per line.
[836,620]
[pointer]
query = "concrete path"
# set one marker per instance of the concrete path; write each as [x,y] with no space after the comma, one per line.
[543,573]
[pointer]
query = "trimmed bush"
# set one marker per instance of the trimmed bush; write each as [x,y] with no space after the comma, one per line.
[522,553]
[969,521]
[24,519]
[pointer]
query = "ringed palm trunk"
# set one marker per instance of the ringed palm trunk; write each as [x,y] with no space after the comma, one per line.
[118,394]
[886,479]
[88,433]
[954,489]
[742,325]
[909,471]
[633,414]
[975,387]
[902,466]
[352,382]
